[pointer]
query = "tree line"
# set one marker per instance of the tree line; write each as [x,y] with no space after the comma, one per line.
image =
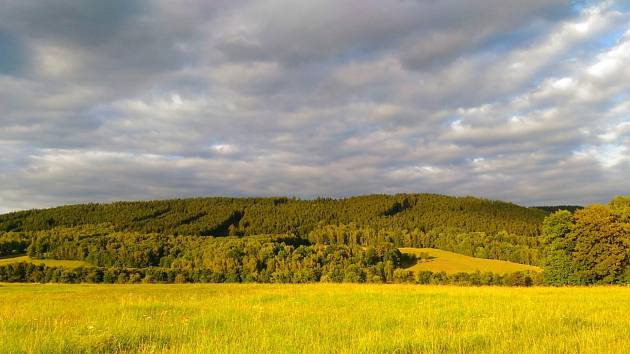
[32,273]
[502,245]
[360,255]
[255,258]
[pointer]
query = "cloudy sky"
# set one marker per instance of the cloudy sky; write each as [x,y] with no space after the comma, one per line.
[527,101]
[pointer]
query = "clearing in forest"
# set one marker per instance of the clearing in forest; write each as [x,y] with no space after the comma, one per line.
[48,262]
[450,262]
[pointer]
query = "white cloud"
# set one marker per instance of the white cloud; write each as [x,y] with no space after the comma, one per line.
[55,61]
[225,149]
[526,101]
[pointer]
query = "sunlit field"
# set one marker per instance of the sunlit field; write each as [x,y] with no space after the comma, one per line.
[450,262]
[314,318]
[48,262]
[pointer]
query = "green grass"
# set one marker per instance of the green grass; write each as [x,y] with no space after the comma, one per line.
[312,318]
[450,262]
[48,262]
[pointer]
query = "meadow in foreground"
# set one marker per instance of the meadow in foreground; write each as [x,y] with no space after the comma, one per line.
[312,318]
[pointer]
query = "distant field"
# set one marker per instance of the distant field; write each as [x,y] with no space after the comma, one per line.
[48,262]
[312,318]
[450,262]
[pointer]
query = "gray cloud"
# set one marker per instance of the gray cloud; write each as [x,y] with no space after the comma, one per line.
[100,101]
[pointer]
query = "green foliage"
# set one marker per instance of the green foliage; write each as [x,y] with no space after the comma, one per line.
[175,233]
[558,247]
[335,240]
[24,272]
[620,206]
[273,258]
[12,243]
[602,246]
[254,216]
[124,257]
[591,246]
[198,216]
[502,246]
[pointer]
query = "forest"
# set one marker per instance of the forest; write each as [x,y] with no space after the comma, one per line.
[255,216]
[286,240]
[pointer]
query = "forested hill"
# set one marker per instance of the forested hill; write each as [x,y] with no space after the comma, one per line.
[355,239]
[220,216]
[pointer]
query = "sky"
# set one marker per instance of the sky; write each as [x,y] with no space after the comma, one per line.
[525,101]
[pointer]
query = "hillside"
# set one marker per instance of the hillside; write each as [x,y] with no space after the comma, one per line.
[220,216]
[435,260]
[260,239]
[46,262]
[348,240]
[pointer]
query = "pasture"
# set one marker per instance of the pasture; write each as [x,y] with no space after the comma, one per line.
[48,262]
[450,262]
[311,318]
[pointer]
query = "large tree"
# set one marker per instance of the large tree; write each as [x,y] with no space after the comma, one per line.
[591,246]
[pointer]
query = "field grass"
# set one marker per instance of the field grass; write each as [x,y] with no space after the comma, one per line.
[48,262]
[312,318]
[450,262]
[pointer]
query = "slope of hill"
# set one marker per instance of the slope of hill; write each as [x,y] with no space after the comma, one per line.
[449,262]
[47,262]
[251,216]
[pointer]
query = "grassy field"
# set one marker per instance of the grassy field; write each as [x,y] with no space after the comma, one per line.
[450,262]
[48,262]
[312,318]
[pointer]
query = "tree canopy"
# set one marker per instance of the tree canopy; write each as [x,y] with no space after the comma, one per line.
[591,246]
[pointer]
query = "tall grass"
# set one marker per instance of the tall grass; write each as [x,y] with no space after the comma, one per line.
[313,318]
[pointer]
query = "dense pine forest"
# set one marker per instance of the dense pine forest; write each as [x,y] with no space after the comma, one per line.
[254,216]
[291,240]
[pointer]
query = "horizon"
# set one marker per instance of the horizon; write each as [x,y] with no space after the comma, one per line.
[526,102]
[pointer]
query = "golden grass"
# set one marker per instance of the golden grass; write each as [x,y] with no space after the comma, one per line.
[48,262]
[312,318]
[450,262]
